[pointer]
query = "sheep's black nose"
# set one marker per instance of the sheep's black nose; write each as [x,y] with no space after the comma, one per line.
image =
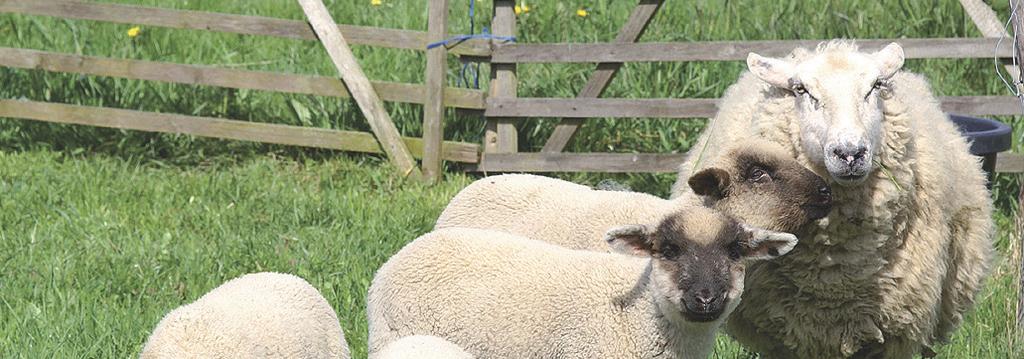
[705,297]
[850,155]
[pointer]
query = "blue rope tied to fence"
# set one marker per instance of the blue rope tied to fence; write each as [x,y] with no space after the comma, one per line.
[485,34]
[461,38]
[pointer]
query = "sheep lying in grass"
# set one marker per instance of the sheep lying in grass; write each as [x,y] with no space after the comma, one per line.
[499,295]
[422,347]
[757,182]
[264,315]
[894,267]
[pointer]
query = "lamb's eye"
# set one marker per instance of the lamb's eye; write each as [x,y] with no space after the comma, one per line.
[734,250]
[877,85]
[669,251]
[799,89]
[758,174]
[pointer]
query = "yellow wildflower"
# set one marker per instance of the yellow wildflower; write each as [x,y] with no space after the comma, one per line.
[582,12]
[376,2]
[521,8]
[135,31]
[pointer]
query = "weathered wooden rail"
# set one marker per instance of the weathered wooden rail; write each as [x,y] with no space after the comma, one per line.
[504,108]
[224,77]
[946,48]
[694,107]
[220,128]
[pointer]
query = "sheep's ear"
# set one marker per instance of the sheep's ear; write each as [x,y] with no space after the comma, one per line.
[773,71]
[713,182]
[890,59]
[764,244]
[632,239]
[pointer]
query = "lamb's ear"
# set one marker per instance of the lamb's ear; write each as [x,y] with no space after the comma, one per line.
[773,71]
[632,239]
[890,59]
[713,182]
[764,244]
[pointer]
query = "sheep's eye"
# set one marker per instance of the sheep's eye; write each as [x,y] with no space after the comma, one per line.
[669,251]
[734,250]
[875,87]
[758,174]
[799,89]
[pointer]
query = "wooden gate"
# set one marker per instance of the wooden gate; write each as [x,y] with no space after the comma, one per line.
[504,108]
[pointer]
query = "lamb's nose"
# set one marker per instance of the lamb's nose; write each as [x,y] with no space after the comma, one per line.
[705,298]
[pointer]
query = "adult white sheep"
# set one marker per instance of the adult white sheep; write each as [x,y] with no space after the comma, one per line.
[422,347]
[757,182]
[498,295]
[901,257]
[262,315]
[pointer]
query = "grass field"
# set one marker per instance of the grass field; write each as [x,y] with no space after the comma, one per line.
[94,250]
[103,231]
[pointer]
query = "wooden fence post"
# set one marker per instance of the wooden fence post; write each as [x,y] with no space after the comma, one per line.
[500,136]
[599,80]
[360,87]
[433,105]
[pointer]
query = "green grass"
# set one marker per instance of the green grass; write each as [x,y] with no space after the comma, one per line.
[102,231]
[95,250]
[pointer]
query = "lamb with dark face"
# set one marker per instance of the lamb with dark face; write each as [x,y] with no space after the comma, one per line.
[699,258]
[499,295]
[760,184]
[755,182]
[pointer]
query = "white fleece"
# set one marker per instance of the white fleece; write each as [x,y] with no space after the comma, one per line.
[553,210]
[498,295]
[422,347]
[902,256]
[261,315]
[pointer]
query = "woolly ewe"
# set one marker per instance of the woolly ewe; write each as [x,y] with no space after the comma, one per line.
[891,271]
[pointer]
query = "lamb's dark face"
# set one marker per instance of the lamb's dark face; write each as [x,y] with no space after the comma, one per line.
[699,258]
[760,185]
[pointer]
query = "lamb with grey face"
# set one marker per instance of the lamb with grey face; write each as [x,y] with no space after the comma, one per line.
[500,295]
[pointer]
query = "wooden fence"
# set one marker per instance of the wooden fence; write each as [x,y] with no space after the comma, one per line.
[501,106]
[432,94]
[505,109]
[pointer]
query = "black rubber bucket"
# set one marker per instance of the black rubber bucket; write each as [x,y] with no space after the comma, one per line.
[987,137]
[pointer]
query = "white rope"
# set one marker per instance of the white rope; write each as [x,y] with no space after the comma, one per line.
[1016,83]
